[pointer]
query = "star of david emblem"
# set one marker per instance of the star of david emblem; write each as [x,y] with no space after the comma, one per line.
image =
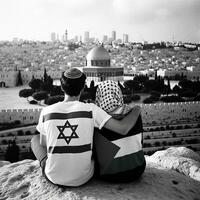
[73,133]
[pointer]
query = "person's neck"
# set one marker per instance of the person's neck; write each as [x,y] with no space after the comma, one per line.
[71,98]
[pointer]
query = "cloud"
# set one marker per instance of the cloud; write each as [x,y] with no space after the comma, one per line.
[150,17]
[150,10]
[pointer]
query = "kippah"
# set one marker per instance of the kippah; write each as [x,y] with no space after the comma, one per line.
[73,73]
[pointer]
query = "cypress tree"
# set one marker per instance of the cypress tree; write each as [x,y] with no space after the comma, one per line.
[19,79]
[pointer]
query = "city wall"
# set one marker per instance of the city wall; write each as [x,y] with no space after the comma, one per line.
[152,114]
[24,116]
[10,77]
[171,113]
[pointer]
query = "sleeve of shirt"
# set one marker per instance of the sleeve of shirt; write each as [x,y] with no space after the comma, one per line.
[40,126]
[100,117]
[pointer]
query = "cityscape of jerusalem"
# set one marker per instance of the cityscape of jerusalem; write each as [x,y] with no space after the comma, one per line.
[161,76]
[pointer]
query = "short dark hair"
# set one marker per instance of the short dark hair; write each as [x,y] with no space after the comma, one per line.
[72,87]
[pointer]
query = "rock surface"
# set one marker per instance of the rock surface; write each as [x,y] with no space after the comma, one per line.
[23,180]
[181,159]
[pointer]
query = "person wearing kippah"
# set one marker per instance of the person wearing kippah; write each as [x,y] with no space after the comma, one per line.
[64,145]
[127,163]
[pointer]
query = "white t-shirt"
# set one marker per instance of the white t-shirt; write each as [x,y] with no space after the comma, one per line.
[68,127]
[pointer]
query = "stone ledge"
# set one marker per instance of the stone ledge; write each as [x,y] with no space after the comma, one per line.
[24,180]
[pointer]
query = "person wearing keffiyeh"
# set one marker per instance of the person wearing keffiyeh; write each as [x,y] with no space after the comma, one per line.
[119,158]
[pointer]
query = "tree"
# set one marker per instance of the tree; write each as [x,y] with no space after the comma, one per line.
[151,85]
[35,84]
[19,79]
[39,96]
[45,76]
[132,85]
[156,93]
[56,90]
[28,133]
[176,89]
[47,83]
[156,75]
[26,93]
[33,102]
[187,93]
[185,84]
[85,95]
[154,98]
[92,84]
[92,90]
[157,85]
[121,86]
[177,77]
[168,88]
[135,97]
[151,99]
[172,98]
[197,98]
[12,152]
[20,133]
[127,99]
[54,99]
[141,78]
[196,86]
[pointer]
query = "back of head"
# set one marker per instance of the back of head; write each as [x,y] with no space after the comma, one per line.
[109,96]
[72,81]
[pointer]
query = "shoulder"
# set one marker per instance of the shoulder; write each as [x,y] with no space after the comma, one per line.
[50,108]
[90,106]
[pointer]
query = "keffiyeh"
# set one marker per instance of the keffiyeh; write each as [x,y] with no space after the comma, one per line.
[109,96]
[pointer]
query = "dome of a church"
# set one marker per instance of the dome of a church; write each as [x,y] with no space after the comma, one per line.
[98,53]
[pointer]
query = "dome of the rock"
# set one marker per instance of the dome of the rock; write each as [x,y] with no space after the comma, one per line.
[98,53]
[98,57]
[98,66]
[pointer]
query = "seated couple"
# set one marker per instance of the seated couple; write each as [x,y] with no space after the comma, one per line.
[65,146]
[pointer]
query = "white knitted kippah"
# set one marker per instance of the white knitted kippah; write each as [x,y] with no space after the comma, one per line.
[73,73]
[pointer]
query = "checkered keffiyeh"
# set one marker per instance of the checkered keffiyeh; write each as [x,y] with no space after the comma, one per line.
[109,96]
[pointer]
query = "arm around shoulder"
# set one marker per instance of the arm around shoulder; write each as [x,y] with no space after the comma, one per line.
[43,140]
[124,125]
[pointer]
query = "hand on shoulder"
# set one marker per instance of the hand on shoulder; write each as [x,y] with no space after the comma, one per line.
[136,108]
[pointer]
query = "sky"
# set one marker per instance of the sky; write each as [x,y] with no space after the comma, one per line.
[143,20]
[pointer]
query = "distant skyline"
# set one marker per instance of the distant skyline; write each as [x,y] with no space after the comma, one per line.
[142,20]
